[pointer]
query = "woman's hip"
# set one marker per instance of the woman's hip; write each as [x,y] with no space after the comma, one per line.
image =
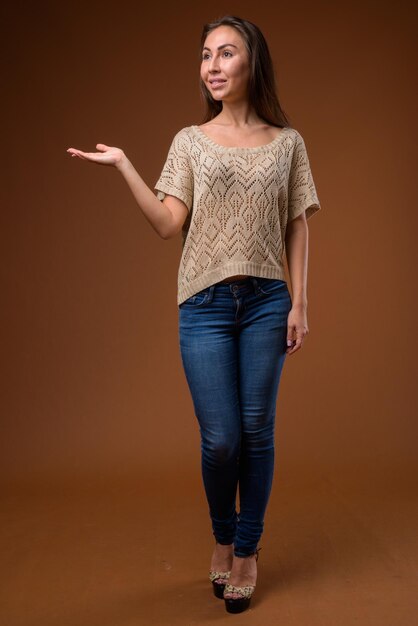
[261,302]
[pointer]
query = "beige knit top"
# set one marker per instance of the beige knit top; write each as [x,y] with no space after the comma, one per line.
[239,200]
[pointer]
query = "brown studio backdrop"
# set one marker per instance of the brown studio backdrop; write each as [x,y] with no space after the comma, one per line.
[92,382]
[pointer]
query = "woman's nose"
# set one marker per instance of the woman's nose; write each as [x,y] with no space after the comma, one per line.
[214,64]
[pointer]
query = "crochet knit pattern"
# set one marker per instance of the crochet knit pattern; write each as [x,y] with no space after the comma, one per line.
[239,201]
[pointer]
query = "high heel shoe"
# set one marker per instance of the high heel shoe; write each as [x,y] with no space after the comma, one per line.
[218,588]
[215,576]
[237,605]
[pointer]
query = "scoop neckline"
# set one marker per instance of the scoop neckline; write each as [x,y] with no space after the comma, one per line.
[244,149]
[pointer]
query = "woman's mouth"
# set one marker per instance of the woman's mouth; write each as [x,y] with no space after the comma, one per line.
[217,83]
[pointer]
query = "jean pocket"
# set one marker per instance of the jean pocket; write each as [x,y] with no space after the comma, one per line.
[198,298]
[267,286]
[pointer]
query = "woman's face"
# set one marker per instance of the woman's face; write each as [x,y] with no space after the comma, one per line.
[225,67]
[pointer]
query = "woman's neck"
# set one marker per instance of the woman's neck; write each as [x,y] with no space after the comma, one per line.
[237,115]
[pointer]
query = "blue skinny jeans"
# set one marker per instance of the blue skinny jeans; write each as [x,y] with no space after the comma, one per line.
[233,347]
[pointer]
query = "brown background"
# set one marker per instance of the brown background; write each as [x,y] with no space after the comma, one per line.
[92,380]
[92,387]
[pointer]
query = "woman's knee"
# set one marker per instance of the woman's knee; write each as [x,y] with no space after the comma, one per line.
[259,436]
[221,451]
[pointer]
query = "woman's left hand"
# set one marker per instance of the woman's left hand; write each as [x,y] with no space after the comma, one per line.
[297,328]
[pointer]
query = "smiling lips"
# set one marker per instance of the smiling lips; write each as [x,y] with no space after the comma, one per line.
[217,82]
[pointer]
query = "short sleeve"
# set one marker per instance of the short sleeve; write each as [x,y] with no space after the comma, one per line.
[176,178]
[302,194]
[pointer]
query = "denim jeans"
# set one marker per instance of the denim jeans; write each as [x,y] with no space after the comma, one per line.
[233,347]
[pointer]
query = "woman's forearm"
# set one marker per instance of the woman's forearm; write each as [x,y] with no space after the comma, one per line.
[297,237]
[157,214]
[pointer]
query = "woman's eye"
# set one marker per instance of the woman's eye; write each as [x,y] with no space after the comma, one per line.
[205,56]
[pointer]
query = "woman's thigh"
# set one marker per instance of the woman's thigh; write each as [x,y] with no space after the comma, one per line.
[233,347]
[209,353]
[262,353]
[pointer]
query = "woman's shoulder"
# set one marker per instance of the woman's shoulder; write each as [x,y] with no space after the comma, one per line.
[186,136]
[293,132]
[186,131]
[182,138]
[297,134]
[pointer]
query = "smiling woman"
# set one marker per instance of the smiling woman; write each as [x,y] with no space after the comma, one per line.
[249,190]
[240,189]
[225,64]
[232,37]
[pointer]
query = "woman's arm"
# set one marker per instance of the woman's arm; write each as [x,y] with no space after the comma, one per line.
[296,241]
[166,217]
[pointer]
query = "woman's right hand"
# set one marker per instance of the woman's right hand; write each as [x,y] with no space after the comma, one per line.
[107,156]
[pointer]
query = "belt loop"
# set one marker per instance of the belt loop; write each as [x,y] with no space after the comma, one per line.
[255,283]
[211,291]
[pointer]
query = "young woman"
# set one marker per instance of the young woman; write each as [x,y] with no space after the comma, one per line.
[240,189]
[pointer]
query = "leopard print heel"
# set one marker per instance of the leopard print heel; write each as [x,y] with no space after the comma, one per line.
[237,605]
[218,587]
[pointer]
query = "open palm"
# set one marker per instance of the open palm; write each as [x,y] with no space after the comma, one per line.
[107,156]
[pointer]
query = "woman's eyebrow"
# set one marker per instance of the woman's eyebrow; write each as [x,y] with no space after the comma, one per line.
[224,45]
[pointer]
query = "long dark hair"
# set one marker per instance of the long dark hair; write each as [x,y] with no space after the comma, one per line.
[262,84]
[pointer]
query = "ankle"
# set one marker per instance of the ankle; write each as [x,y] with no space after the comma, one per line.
[224,549]
[248,556]
[222,557]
